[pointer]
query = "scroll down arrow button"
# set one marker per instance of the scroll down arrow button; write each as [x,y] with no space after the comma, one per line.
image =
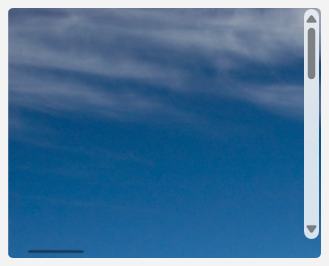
[311,228]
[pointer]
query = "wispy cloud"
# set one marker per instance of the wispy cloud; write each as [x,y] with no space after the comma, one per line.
[121,62]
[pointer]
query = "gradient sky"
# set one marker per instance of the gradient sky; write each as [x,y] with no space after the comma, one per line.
[157,133]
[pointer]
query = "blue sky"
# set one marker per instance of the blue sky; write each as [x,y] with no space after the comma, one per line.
[157,133]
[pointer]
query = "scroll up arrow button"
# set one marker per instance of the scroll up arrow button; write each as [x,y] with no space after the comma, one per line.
[311,19]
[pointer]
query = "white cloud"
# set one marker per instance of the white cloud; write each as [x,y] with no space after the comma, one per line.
[161,48]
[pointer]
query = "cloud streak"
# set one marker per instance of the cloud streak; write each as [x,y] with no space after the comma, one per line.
[129,62]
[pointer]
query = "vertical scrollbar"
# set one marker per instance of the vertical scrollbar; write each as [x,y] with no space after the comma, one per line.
[311,124]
